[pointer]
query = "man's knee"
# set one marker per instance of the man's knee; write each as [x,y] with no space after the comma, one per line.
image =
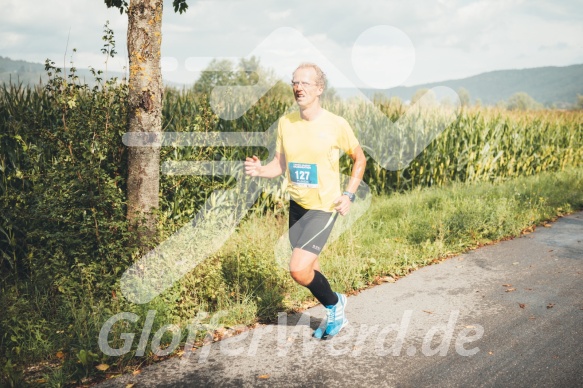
[303,277]
[301,266]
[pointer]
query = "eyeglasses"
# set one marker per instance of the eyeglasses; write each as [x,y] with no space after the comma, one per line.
[295,84]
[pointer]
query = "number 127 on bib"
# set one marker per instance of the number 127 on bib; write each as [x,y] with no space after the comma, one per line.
[303,174]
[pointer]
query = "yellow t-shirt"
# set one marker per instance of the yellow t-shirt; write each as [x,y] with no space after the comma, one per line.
[312,149]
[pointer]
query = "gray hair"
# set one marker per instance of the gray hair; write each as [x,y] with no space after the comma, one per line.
[320,75]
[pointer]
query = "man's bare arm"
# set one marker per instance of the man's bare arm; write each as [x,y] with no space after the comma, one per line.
[358,168]
[272,169]
[343,202]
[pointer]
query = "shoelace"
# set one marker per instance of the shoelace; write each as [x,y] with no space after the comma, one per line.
[331,314]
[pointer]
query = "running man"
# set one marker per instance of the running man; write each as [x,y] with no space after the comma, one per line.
[308,151]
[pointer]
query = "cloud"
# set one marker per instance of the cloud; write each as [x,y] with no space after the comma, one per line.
[10,39]
[557,46]
[277,16]
[52,28]
[452,38]
[563,11]
[383,57]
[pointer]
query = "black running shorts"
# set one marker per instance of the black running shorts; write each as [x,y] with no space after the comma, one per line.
[309,229]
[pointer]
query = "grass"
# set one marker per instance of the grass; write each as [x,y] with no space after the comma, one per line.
[404,231]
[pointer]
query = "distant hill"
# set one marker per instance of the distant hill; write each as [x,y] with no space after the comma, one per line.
[547,85]
[20,71]
[29,73]
[550,86]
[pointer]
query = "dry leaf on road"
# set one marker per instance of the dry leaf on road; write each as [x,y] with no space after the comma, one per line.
[388,279]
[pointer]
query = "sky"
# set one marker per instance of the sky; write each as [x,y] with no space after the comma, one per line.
[379,44]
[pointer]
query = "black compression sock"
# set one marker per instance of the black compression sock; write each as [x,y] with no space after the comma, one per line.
[321,289]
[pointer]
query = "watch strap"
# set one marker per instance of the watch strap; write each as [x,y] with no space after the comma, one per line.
[350,195]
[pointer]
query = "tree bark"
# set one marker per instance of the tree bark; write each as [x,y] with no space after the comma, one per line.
[145,115]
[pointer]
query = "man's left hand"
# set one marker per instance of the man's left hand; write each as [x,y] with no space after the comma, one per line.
[343,205]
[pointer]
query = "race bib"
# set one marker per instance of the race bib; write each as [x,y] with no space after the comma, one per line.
[303,174]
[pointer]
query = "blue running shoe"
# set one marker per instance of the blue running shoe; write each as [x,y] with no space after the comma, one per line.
[319,332]
[335,318]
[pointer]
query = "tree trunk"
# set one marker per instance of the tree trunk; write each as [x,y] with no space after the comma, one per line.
[145,115]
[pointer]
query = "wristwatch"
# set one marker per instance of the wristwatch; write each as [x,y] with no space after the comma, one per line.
[350,195]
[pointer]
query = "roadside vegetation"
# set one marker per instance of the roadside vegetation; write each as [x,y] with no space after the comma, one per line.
[491,174]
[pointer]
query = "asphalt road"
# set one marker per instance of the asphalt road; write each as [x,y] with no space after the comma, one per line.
[509,314]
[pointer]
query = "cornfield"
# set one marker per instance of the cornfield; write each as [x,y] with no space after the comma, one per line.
[481,144]
[404,149]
